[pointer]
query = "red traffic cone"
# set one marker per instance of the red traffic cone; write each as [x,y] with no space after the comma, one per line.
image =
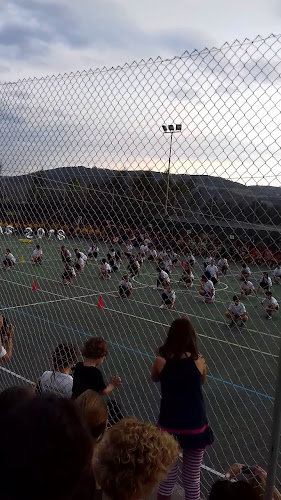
[34,287]
[100,302]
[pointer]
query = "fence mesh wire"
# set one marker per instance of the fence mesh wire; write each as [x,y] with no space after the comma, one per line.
[86,154]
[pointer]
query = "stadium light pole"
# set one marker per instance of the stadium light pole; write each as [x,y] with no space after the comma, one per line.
[170,129]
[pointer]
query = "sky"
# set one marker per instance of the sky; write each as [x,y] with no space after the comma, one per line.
[228,101]
[39,37]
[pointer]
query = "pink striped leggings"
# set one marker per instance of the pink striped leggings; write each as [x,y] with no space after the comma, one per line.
[192,460]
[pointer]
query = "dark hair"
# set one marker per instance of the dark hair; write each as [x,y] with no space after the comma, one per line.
[64,355]
[181,339]
[94,348]
[46,447]
[266,274]
[244,265]
[13,396]
[94,412]
[239,490]
[8,250]
[38,246]
[204,277]
[103,261]
[268,292]
[235,297]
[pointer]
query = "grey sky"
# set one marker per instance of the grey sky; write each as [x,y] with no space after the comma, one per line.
[40,37]
[228,101]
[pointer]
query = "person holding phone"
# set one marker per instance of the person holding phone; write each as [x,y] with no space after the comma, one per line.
[6,338]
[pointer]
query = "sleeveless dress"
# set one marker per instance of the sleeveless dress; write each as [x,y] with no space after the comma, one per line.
[182,409]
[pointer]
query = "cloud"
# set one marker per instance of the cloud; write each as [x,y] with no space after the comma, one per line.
[112,119]
[29,28]
[226,99]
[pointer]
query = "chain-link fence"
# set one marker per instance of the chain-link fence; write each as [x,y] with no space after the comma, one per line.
[183,153]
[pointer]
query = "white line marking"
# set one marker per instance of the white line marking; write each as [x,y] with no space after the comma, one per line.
[16,375]
[151,321]
[44,302]
[152,305]
[213,471]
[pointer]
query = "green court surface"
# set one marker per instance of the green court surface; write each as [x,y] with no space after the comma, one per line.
[241,362]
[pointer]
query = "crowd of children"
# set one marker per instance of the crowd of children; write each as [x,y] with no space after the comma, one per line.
[164,259]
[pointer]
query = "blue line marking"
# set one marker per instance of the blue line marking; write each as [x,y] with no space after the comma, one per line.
[242,387]
[135,351]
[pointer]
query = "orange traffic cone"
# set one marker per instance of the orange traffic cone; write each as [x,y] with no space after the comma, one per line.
[34,287]
[100,302]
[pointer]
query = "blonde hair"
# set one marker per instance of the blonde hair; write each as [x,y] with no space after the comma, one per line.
[259,483]
[132,458]
[94,412]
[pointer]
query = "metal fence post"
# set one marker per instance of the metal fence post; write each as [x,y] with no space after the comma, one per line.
[275,437]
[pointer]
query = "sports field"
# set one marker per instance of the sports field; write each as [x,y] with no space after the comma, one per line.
[241,362]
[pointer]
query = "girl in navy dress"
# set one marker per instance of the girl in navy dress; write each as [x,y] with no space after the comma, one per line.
[181,371]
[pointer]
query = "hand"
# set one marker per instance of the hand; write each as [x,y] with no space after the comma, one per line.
[235,470]
[258,471]
[115,380]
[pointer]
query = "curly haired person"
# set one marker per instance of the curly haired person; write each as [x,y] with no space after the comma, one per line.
[132,458]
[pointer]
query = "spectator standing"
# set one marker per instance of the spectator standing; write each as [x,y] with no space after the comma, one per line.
[181,371]
[59,381]
[88,376]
